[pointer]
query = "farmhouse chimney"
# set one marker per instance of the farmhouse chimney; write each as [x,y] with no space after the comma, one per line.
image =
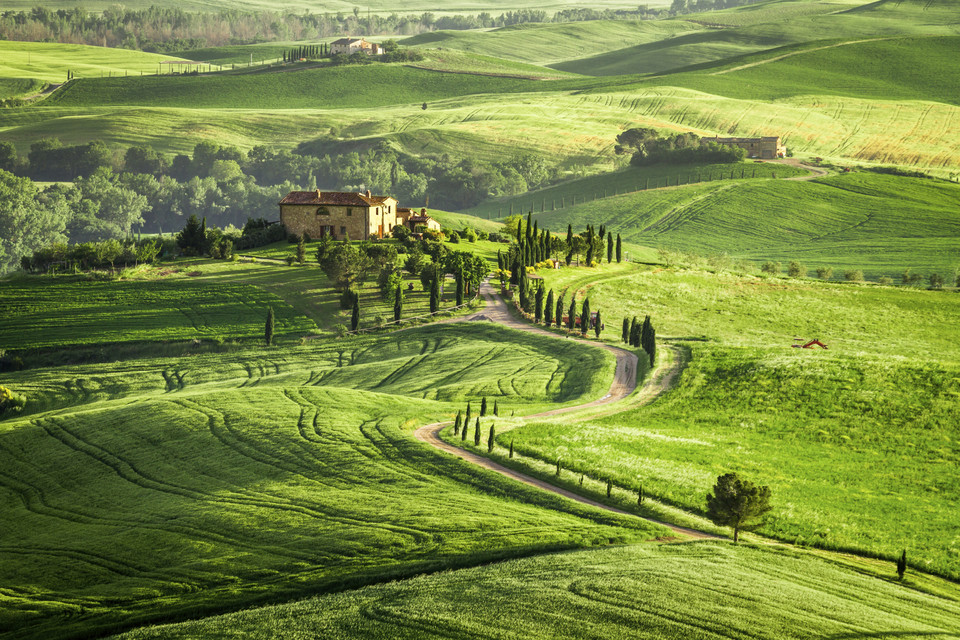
[368,193]
[423,212]
[318,194]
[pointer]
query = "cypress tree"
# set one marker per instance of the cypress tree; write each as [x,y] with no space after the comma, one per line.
[268,329]
[589,253]
[529,233]
[466,427]
[634,333]
[558,468]
[515,272]
[538,311]
[398,303]
[546,243]
[435,292]
[490,439]
[548,309]
[648,339]
[625,334]
[609,488]
[902,565]
[598,326]
[520,230]
[522,287]
[476,433]
[483,407]
[466,422]
[603,232]
[585,317]
[459,288]
[581,479]
[558,319]
[569,234]
[640,496]
[572,313]
[609,247]
[499,260]
[619,249]
[457,423]
[511,448]
[496,408]
[355,318]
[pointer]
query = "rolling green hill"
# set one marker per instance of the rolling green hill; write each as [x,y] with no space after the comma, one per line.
[704,590]
[844,437]
[878,223]
[180,486]
[50,62]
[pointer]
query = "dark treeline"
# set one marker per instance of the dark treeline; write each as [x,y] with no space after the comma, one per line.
[102,194]
[165,29]
[649,147]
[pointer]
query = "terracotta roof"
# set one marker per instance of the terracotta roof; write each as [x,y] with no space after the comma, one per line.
[341,198]
[347,40]
[420,218]
[404,210]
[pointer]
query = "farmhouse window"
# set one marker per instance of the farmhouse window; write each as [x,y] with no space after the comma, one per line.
[323,211]
[349,211]
[343,231]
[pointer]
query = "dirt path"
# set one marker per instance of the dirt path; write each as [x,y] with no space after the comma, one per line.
[815,172]
[624,383]
[795,53]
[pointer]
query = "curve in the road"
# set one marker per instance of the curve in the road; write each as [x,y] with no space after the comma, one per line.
[624,383]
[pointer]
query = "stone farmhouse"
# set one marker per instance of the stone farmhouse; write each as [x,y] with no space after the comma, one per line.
[362,216]
[346,46]
[765,148]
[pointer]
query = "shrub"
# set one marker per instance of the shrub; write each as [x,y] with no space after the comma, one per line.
[470,235]
[772,268]
[291,260]
[936,281]
[797,270]
[340,329]
[11,402]
[378,321]
[885,280]
[454,238]
[853,275]
[824,273]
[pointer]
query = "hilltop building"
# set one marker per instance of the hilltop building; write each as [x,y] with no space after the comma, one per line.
[346,46]
[362,216]
[766,147]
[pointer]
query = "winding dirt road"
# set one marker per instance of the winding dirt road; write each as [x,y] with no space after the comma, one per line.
[624,382]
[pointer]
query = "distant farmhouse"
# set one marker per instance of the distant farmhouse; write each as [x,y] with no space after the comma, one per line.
[346,46]
[337,214]
[766,148]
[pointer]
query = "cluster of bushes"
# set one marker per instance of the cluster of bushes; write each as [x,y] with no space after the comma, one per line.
[10,402]
[648,147]
[799,270]
[86,256]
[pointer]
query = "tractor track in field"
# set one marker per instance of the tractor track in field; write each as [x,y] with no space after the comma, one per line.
[624,383]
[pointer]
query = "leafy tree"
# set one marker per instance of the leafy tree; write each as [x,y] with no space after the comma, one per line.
[625,334]
[346,265]
[355,317]
[268,329]
[398,303]
[490,438]
[619,249]
[143,159]
[388,281]
[902,565]
[9,160]
[771,267]
[796,269]
[736,503]
[382,254]
[936,281]
[585,317]
[824,273]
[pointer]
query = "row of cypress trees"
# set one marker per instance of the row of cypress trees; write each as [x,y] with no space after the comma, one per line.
[461,424]
[534,245]
[307,51]
[642,335]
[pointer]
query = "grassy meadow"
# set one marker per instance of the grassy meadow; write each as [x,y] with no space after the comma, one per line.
[145,490]
[856,442]
[49,62]
[880,224]
[728,592]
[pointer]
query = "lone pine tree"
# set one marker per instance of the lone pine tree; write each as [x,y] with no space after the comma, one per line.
[737,503]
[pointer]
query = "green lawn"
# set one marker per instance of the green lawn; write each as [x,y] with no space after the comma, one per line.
[19,87]
[158,488]
[876,223]
[845,437]
[709,591]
